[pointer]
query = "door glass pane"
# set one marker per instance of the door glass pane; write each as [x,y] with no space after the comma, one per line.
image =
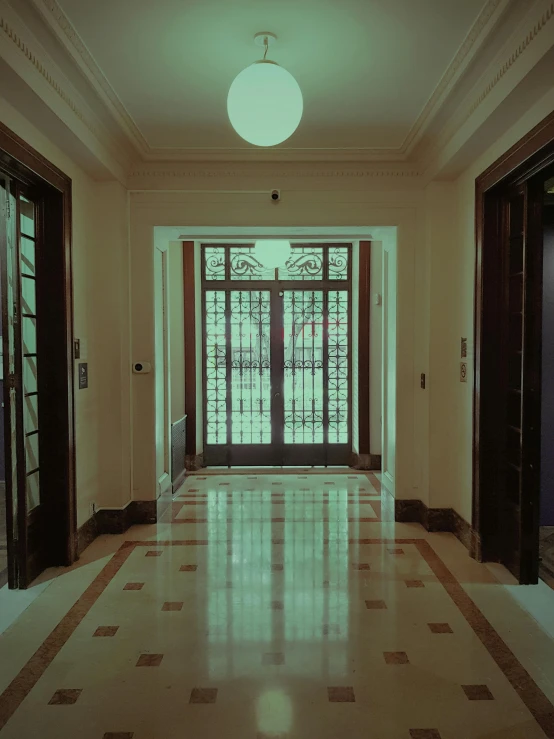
[337,371]
[33,491]
[250,367]
[303,370]
[26,216]
[28,295]
[27,268]
[216,373]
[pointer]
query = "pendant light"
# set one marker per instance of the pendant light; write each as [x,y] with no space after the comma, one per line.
[272,253]
[265,101]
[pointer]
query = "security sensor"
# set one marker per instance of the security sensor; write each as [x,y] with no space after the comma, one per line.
[142,368]
[276,195]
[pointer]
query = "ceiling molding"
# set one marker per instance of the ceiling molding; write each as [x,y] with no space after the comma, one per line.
[276,154]
[12,29]
[405,160]
[157,172]
[56,19]
[62,27]
[41,68]
[520,42]
[469,49]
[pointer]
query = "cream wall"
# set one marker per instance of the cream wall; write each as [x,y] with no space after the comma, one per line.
[100,284]
[451,239]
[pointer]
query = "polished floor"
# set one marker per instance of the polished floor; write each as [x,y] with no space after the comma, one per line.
[276,607]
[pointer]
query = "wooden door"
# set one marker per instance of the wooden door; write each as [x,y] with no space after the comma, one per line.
[29,508]
[520,378]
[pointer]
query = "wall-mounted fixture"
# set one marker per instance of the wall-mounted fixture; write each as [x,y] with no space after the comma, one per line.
[265,101]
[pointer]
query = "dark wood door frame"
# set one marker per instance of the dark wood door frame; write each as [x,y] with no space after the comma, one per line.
[517,167]
[25,165]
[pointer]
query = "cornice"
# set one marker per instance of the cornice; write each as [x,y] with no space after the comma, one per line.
[478,34]
[41,68]
[535,25]
[295,170]
[405,162]
[51,76]
[64,30]
[51,11]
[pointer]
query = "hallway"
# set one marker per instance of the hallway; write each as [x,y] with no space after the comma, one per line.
[276,606]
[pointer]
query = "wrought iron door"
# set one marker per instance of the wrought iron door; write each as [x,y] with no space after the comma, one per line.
[277,357]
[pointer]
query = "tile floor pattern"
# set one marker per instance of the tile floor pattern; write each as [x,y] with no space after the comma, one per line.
[251,614]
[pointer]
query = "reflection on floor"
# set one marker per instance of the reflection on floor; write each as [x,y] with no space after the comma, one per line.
[3,537]
[546,554]
[276,607]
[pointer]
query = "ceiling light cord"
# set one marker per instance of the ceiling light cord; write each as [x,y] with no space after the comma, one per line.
[266,42]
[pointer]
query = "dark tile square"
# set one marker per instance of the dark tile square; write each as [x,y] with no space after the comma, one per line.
[440,628]
[424,734]
[172,606]
[188,568]
[134,586]
[396,658]
[361,566]
[149,660]
[154,553]
[478,693]
[414,584]
[341,695]
[375,605]
[277,605]
[203,695]
[64,697]
[106,631]
[273,658]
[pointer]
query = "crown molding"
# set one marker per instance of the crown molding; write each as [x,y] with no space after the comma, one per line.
[162,176]
[24,45]
[276,154]
[124,138]
[60,24]
[473,42]
[66,33]
[521,43]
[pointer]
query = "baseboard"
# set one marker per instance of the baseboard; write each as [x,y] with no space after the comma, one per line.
[194,462]
[365,461]
[179,481]
[439,519]
[86,534]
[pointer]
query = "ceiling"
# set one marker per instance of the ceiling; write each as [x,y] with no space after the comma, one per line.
[366,67]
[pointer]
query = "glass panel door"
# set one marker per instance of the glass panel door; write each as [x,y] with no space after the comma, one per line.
[276,357]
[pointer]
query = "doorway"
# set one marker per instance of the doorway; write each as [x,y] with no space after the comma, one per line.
[277,356]
[512,312]
[39,522]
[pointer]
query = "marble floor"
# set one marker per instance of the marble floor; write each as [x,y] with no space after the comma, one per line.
[275,606]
